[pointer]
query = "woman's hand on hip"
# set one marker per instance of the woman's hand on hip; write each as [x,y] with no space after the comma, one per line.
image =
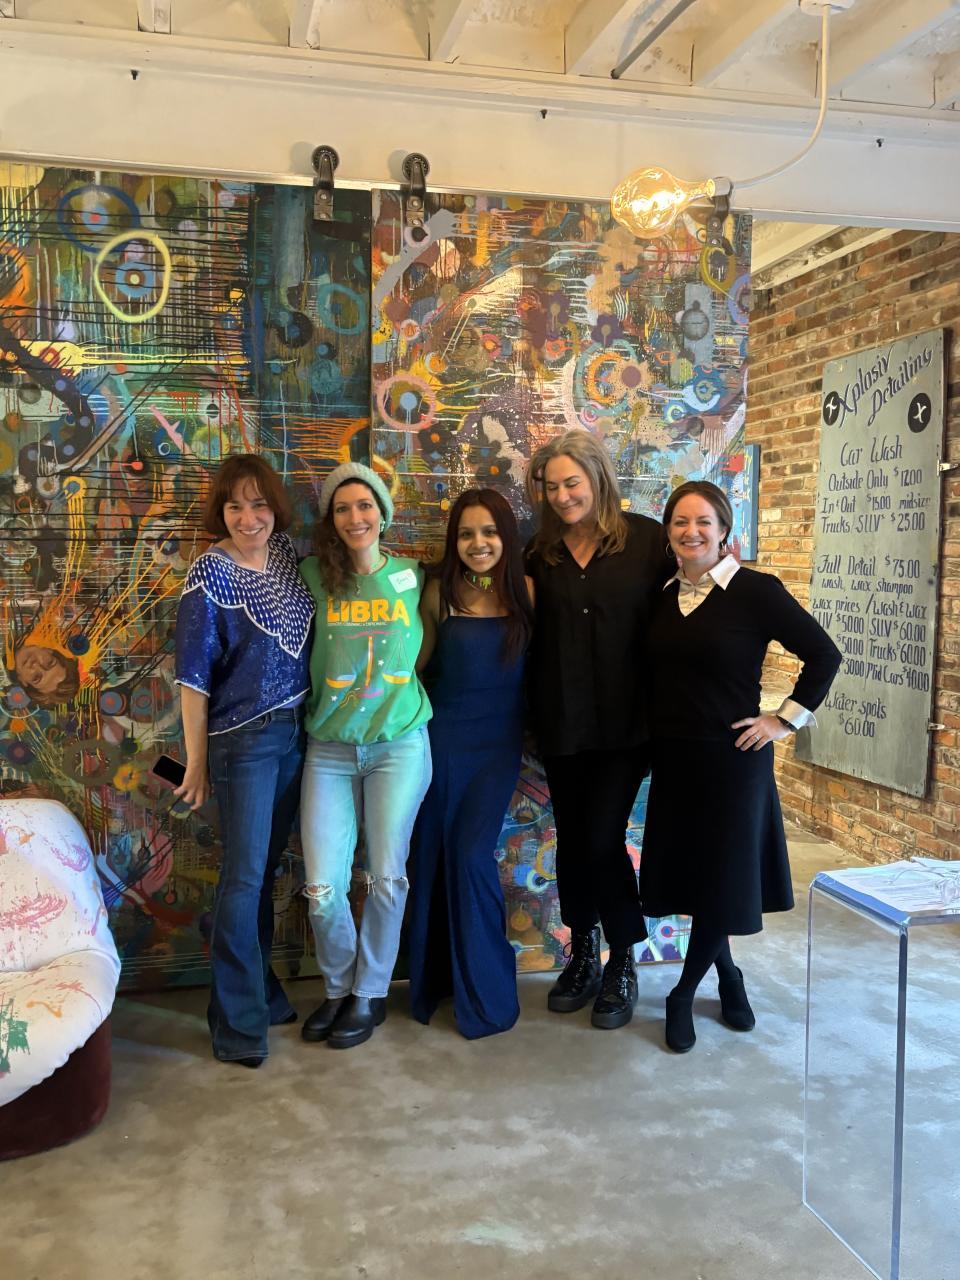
[758,731]
[194,790]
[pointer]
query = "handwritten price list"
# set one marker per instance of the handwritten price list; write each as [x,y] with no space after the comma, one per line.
[876,546]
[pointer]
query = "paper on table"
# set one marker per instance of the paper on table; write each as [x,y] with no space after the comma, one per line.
[915,886]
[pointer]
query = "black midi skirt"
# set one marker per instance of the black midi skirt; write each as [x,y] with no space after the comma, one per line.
[713,843]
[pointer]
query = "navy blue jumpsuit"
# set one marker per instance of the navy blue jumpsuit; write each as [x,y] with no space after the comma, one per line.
[457,926]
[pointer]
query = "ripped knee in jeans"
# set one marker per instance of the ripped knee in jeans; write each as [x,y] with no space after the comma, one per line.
[321,897]
[383,884]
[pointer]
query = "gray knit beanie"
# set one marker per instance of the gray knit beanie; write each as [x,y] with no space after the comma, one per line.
[348,471]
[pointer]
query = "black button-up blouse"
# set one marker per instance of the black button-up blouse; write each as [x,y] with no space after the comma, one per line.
[587,664]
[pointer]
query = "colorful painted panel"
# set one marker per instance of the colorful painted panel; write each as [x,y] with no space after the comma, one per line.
[746,489]
[148,326]
[513,320]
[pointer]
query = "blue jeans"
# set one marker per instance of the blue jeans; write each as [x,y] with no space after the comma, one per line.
[255,773]
[379,787]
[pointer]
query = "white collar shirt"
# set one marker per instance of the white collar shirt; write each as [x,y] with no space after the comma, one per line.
[692,594]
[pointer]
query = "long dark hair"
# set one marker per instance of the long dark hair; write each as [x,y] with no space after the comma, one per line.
[507,574]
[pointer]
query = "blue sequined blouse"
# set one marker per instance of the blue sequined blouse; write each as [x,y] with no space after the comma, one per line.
[242,635]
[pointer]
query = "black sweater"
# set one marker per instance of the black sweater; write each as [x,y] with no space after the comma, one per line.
[706,667]
[587,671]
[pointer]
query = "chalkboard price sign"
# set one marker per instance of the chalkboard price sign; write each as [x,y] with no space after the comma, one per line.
[876,559]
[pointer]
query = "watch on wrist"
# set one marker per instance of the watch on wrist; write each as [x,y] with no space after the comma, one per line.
[787,725]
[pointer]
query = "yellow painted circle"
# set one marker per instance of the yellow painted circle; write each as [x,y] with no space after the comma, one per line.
[123,238]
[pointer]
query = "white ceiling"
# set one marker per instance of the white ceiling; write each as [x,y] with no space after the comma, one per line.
[885,52]
[727,86]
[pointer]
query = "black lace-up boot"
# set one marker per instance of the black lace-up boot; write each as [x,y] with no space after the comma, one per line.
[618,992]
[580,980]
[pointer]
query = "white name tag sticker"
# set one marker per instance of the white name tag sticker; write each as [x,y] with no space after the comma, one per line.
[405,580]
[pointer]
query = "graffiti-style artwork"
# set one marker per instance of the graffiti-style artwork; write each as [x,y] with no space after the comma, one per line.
[513,320]
[148,327]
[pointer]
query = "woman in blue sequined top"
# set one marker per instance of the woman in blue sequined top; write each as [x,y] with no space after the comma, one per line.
[243,629]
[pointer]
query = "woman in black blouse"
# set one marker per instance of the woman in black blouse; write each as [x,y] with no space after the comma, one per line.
[714,846]
[597,571]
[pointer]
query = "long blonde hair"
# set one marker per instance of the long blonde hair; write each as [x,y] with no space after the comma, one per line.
[589,454]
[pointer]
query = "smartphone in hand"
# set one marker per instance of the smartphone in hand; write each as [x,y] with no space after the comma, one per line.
[169,769]
[174,771]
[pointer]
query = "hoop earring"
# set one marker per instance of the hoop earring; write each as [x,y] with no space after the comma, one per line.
[669,552]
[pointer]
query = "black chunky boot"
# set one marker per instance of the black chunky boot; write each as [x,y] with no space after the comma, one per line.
[356,1023]
[580,980]
[618,991]
[321,1022]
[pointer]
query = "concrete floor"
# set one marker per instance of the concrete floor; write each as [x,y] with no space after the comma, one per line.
[553,1151]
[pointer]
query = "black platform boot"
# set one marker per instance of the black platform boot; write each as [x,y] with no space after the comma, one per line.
[618,991]
[357,1021]
[580,980]
[320,1023]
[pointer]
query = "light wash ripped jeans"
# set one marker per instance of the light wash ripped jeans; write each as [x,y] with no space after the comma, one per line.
[378,787]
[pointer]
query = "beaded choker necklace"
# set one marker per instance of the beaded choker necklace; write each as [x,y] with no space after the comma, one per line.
[482,581]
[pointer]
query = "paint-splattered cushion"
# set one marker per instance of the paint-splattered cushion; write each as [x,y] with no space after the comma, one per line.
[58,962]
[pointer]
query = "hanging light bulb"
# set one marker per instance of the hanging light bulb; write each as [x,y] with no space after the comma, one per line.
[649,201]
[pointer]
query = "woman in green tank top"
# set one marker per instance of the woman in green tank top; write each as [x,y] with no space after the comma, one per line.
[368,755]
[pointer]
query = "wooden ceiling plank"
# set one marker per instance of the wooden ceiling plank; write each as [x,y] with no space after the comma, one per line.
[154,16]
[303,16]
[947,83]
[716,50]
[587,29]
[447,21]
[888,33]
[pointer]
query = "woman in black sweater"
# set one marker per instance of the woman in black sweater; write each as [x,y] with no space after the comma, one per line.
[714,846]
[597,572]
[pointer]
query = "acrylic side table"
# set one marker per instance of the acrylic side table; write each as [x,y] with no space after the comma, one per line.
[881,1104]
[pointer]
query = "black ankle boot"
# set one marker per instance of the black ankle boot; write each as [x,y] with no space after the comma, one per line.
[618,991]
[357,1021]
[734,1006]
[320,1023]
[680,1034]
[580,980]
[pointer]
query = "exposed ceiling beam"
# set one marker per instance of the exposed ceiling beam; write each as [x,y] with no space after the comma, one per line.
[773,241]
[844,240]
[585,33]
[447,21]
[719,48]
[947,82]
[154,15]
[303,18]
[887,33]
[677,10]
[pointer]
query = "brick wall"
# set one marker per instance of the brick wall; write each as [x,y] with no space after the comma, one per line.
[903,284]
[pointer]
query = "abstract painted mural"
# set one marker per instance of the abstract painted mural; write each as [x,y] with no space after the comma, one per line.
[148,326]
[513,320]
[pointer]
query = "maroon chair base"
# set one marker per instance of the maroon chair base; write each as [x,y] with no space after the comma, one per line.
[65,1106]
